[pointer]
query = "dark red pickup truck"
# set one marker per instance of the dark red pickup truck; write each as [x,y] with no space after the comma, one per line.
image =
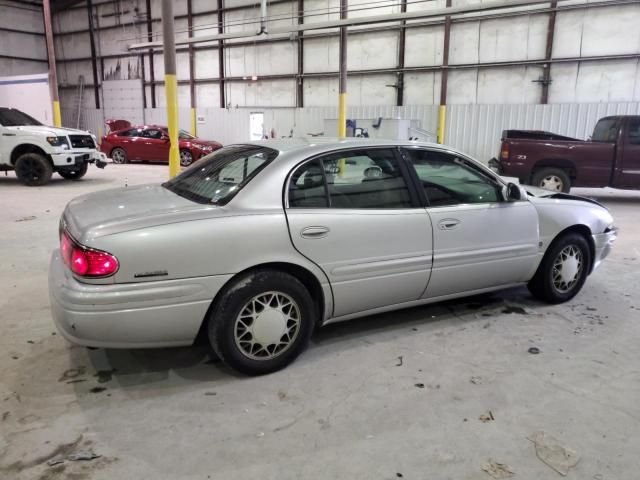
[611,158]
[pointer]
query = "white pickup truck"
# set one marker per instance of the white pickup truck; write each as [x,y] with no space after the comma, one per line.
[35,151]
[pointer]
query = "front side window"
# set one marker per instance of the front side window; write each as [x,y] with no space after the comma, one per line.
[449,180]
[366,178]
[218,177]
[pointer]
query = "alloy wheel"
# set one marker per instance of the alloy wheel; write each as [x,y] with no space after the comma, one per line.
[186,158]
[118,156]
[267,325]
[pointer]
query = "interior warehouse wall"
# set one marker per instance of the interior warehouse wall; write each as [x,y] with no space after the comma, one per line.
[583,32]
[23,49]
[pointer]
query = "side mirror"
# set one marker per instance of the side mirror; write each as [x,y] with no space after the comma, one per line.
[513,192]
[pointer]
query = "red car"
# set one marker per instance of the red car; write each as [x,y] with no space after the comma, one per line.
[125,143]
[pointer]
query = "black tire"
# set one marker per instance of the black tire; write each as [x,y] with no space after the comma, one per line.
[543,286]
[119,155]
[33,169]
[224,321]
[552,177]
[75,174]
[186,158]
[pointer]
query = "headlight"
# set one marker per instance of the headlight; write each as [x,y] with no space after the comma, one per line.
[205,148]
[58,141]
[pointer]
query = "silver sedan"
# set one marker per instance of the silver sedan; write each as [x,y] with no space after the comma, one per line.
[257,244]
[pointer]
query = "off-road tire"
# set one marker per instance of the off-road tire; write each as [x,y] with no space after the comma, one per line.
[33,169]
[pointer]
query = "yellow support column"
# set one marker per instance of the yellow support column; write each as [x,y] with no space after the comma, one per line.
[442,120]
[57,117]
[342,115]
[171,85]
[194,122]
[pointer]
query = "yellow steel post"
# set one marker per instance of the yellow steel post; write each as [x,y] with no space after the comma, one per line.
[171,85]
[194,123]
[57,117]
[442,119]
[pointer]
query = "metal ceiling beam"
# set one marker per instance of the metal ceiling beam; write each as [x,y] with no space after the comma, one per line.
[351,22]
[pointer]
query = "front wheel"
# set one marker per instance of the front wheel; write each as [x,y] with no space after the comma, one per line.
[554,179]
[186,158]
[563,270]
[33,169]
[77,173]
[262,322]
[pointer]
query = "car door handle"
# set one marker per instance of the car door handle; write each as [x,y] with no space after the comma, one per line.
[448,223]
[314,232]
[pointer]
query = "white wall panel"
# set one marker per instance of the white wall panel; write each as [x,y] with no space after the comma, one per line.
[508,85]
[464,47]
[321,55]
[374,50]
[422,88]
[513,38]
[206,64]
[424,46]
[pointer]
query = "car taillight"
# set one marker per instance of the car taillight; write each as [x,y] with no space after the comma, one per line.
[504,151]
[86,262]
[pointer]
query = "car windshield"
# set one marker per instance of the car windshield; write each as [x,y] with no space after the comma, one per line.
[10,117]
[218,177]
[182,135]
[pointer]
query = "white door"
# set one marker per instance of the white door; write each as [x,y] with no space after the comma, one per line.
[352,214]
[256,125]
[479,240]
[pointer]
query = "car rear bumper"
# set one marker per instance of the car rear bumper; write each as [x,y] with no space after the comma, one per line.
[603,243]
[135,315]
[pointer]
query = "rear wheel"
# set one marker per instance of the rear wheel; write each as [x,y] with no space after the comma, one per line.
[186,158]
[118,155]
[262,322]
[554,179]
[563,269]
[33,169]
[77,173]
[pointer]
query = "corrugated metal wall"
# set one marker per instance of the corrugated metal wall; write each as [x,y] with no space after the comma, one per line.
[474,129]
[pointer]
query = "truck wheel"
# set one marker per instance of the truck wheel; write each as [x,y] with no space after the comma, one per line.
[261,322]
[118,155]
[563,269]
[77,173]
[554,179]
[33,169]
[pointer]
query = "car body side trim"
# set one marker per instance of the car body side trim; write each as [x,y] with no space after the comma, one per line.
[417,303]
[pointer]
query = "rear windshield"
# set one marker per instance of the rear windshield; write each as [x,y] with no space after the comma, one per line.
[606,130]
[10,117]
[218,177]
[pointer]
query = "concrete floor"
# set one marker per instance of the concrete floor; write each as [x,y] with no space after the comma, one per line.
[346,408]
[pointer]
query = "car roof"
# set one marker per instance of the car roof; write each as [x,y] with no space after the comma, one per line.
[287,145]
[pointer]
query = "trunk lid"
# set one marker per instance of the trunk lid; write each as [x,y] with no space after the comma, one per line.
[129,208]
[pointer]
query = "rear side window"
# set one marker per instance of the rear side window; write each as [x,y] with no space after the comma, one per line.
[606,130]
[367,178]
[129,133]
[634,131]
